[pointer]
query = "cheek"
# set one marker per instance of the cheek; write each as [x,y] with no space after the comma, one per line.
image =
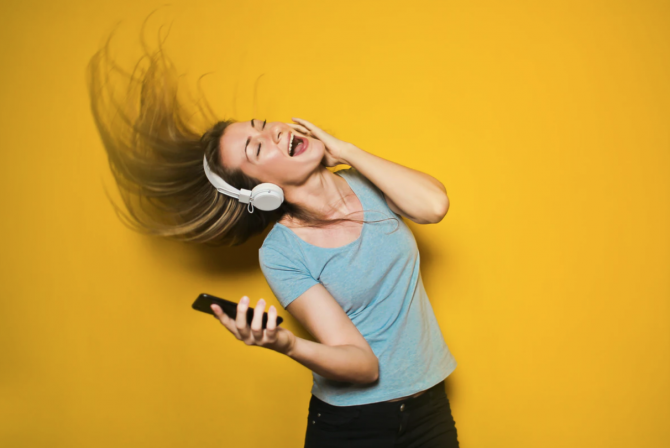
[280,170]
[321,149]
[317,151]
[272,169]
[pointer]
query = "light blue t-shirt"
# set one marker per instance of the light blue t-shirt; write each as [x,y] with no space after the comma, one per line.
[376,280]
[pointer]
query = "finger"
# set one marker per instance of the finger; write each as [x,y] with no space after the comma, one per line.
[241,319]
[315,130]
[257,321]
[300,128]
[306,124]
[271,327]
[218,312]
[225,320]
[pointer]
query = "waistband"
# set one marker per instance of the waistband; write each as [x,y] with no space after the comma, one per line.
[381,406]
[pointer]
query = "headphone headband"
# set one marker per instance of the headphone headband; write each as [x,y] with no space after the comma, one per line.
[224,187]
[269,196]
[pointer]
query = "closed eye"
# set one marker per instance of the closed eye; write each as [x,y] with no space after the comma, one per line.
[259,145]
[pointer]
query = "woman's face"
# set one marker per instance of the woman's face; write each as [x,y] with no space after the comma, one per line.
[261,150]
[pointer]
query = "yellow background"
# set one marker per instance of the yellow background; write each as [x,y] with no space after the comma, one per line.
[550,276]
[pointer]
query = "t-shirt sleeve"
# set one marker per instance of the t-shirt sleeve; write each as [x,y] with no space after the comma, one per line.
[287,276]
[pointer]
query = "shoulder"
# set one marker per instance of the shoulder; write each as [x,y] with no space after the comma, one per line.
[364,187]
[352,175]
[277,236]
[358,182]
[284,266]
[280,246]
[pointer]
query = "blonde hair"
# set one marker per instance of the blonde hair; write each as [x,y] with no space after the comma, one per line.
[155,146]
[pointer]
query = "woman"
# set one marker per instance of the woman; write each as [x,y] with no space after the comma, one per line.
[339,257]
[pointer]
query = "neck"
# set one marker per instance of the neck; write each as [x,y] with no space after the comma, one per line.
[324,193]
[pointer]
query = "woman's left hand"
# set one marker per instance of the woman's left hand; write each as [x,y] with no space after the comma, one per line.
[336,149]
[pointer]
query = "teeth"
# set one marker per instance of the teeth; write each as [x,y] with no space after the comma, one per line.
[290,146]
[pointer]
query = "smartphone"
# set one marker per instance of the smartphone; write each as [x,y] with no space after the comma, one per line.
[203,302]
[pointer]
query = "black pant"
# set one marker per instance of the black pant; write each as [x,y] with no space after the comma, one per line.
[424,421]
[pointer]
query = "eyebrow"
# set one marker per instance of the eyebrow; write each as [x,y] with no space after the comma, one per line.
[254,125]
[249,138]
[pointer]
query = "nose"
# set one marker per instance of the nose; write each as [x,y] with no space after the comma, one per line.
[278,130]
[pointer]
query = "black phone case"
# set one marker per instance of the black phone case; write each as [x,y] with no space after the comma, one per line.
[204,301]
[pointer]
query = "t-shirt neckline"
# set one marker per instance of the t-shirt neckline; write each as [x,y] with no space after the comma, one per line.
[356,241]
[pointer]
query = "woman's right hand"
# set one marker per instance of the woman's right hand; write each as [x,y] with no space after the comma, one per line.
[273,337]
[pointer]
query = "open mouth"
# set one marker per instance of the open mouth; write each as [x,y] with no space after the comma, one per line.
[297,145]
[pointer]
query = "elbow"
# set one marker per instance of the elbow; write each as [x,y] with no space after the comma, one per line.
[441,205]
[442,209]
[375,371]
[439,211]
[369,373]
[372,373]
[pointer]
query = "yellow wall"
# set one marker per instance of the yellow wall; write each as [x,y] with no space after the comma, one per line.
[547,122]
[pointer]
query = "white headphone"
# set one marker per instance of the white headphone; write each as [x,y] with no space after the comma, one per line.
[265,197]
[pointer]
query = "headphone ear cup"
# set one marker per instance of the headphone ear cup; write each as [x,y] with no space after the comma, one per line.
[267,197]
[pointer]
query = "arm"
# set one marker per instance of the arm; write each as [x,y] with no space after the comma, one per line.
[410,193]
[342,353]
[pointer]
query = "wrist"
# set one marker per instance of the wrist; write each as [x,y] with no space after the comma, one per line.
[348,153]
[290,346]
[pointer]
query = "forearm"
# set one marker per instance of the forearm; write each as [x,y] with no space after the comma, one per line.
[420,196]
[347,363]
